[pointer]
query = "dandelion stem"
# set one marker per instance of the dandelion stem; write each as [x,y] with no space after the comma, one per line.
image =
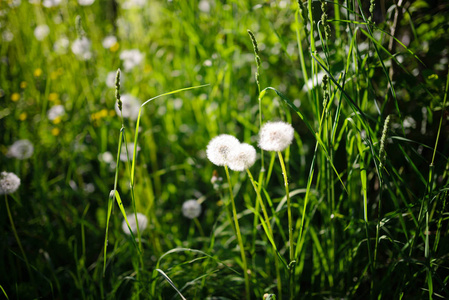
[239,235]
[290,224]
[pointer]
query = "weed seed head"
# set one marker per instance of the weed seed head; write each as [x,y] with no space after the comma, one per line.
[117,91]
[141,218]
[242,157]
[220,147]
[191,209]
[21,149]
[276,136]
[130,106]
[9,183]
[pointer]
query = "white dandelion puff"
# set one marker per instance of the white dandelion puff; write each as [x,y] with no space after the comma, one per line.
[110,79]
[130,107]
[191,209]
[51,3]
[109,41]
[131,58]
[276,136]
[128,150]
[21,149]
[61,45]
[55,112]
[85,2]
[81,48]
[9,183]
[41,32]
[242,157]
[219,148]
[141,218]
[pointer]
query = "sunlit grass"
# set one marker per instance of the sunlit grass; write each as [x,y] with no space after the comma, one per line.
[353,208]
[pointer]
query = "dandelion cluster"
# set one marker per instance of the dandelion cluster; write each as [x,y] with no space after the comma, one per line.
[219,148]
[21,149]
[130,107]
[191,209]
[226,150]
[276,136]
[141,219]
[9,183]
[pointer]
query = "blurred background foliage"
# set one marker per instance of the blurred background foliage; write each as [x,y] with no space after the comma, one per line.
[60,209]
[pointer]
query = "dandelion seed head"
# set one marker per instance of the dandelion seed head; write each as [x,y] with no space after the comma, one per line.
[81,48]
[41,32]
[130,107]
[191,209]
[61,45]
[21,149]
[242,157]
[141,218]
[85,2]
[128,150]
[109,41]
[219,148]
[131,58]
[51,3]
[55,112]
[276,136]
[9,183]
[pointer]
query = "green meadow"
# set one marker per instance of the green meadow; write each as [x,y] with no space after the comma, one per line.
[218,149]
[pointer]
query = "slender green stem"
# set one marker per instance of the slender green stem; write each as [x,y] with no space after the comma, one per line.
[239,235]
[11,220]
[290,225]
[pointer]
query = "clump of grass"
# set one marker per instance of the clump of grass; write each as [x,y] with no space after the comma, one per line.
[356,204]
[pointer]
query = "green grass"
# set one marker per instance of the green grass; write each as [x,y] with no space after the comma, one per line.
[366,202]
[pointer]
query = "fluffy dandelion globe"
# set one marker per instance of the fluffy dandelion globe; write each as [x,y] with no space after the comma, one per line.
[55,112]
[276,136]
[128,150]
[131,58]
[130,107]
[61,45]
[85,2]
[9,183]
[81,48]
[242,157]
[41,32]
[141,218]
[220,147]
[109,41]
[21,149]
[51,3]
[191,209]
